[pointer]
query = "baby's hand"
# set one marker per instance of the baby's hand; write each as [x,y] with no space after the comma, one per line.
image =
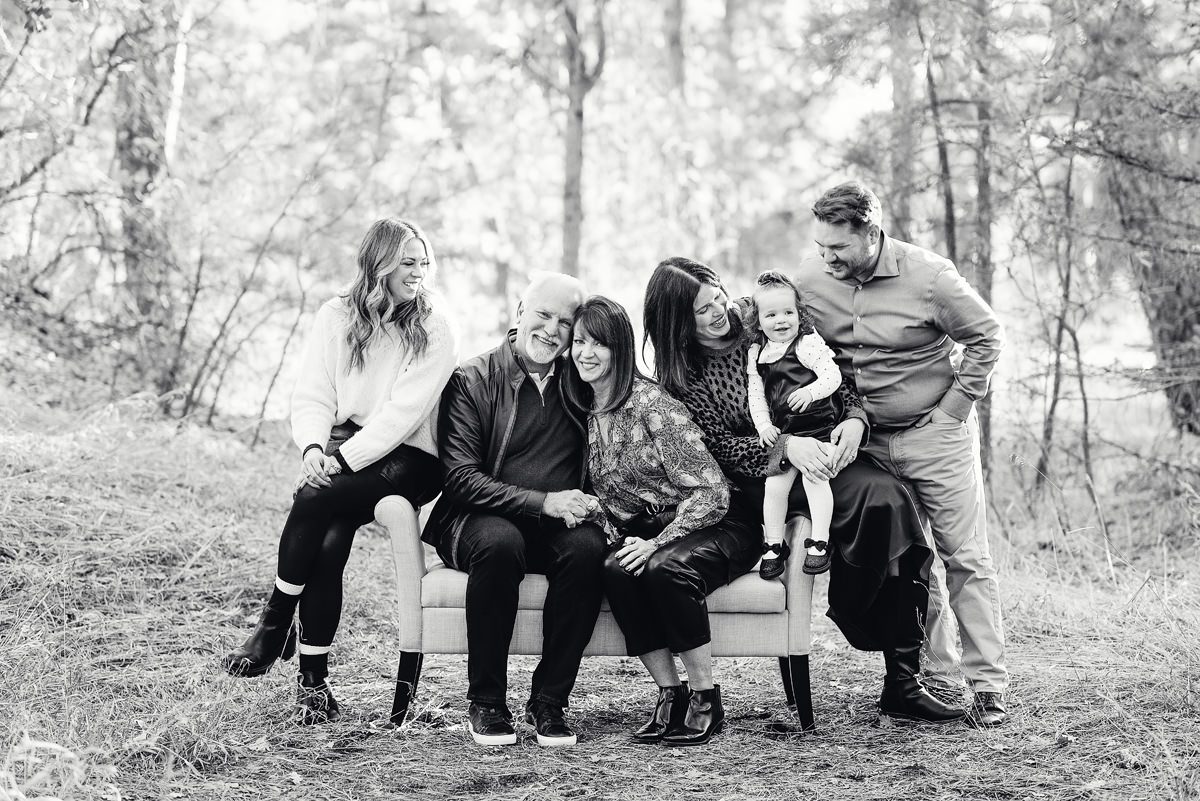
[768,434]
[800,399]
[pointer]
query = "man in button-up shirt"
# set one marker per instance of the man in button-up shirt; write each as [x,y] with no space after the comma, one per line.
[893,314]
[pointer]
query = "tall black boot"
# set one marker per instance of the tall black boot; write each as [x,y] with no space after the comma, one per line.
[274,637]
[668,714]
[705,717]
[903,696]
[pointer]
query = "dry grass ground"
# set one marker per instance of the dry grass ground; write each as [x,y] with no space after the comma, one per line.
[134,552]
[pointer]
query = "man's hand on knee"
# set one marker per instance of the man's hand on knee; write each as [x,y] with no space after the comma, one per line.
[570,506]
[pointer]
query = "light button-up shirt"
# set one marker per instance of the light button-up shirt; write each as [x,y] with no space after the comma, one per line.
[895,333]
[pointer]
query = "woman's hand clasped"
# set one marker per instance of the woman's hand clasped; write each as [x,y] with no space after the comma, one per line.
[313,469]
[634,553]
[571,506]
[813,458]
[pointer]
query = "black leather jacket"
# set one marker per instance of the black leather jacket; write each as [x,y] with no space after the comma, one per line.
[479,408]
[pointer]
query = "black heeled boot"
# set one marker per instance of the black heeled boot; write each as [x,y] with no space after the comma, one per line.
[274,637]
[704,717]
[668,714]
[315,703]
[903,696]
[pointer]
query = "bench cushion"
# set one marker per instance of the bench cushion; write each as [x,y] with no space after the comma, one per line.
[444,588]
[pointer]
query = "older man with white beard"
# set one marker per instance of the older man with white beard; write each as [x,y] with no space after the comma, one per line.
[514,457]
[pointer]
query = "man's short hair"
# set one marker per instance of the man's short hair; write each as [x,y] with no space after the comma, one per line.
[851,203]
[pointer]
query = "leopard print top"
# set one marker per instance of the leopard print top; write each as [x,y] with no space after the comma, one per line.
[716,397]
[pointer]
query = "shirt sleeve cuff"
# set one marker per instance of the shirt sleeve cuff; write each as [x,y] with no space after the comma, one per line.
[956,404]
[309,447]
[535,502]
[859,414]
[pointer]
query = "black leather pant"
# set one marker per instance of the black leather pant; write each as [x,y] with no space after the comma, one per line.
[665,606]
[497,553]
[316,540]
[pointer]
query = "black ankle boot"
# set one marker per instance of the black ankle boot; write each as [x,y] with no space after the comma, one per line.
[667,717]
[273,638]
[315,703]
[903,696]
[704,717]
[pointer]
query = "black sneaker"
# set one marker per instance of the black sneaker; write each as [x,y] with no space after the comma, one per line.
[490,725]
[552,729]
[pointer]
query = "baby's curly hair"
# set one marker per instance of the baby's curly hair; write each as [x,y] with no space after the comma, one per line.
[773,279]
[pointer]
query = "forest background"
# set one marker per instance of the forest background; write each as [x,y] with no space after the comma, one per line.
[183,182]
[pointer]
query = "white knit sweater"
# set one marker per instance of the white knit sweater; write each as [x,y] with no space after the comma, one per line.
[394,397]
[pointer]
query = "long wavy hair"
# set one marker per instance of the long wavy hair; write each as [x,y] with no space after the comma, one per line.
[372,309]
[670,321]
[608,323]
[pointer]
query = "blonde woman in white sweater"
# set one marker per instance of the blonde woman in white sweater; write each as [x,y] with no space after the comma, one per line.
[363,416]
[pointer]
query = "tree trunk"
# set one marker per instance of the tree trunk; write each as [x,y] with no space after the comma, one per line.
[1168,285]
[580,80]
[904,123]
[141,162]
[728,71]
[982,269]
[178,81]
[945,179]
[673,25]
[573,173]
[1064,263]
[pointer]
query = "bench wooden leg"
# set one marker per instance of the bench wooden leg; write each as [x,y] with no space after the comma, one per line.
[407,677]
[794,672]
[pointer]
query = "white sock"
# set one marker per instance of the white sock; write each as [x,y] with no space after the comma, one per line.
[287,587]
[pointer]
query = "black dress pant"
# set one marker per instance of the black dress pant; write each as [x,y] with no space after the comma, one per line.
[316,540]
[496,553]
[665,605]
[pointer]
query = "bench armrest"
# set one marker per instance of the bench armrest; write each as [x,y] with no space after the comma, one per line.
[799,589]
[397,515]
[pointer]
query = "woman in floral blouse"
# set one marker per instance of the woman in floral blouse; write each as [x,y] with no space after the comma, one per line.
[677,532]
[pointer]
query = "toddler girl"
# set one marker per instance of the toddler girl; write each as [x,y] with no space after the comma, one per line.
[792,383]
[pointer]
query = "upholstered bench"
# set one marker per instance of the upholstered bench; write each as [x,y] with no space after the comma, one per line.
[749,617]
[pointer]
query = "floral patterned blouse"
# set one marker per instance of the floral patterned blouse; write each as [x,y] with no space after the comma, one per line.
[654,457]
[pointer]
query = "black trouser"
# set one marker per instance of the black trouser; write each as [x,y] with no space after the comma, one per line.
[319,531]
[665,606]
[497,552]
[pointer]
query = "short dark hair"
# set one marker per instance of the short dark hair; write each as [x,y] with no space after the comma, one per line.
[851,203]
[670,321]
[608,323]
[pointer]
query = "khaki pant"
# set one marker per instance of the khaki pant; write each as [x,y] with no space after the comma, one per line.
[941,461]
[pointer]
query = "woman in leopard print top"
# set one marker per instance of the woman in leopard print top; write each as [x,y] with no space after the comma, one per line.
[878,586]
